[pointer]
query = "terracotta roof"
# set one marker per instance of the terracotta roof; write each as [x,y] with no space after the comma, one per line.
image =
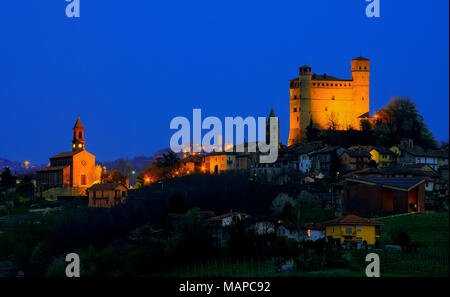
[192,158]
[105,187]
[361,58]
[352,220]
[78,124]
[53,168]
[400,183]
[64,155]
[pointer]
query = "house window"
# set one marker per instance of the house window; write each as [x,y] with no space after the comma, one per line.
[309,232]
[348,230]
[295,109]
[358,228]
[83,179]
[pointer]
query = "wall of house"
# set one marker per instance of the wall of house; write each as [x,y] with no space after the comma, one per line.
[107,198]
[353,233]
[372,200]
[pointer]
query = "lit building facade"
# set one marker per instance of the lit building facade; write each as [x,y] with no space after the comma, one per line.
[327,101]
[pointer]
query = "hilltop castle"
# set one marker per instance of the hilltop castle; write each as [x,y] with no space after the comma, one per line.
[327,101]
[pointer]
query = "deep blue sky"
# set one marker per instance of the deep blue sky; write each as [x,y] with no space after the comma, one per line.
[129,67]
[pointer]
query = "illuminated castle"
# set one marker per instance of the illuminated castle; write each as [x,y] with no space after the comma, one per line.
[327,101]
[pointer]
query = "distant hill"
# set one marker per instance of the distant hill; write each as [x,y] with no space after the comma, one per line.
[17,167]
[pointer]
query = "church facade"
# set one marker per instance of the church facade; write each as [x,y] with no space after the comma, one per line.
[70,173]
[327,101]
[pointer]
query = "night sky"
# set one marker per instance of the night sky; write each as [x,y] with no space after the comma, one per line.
[129,67]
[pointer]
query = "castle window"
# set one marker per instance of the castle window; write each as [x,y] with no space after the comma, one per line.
[295,109]
[79,135]
[327,84]
[365,67]
[340,85]
[323,84]
[349,85]
[295,96]
[345,85]
[314,84]
[331,84]
[359,67]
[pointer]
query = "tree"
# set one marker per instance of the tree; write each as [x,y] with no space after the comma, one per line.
[7,178]
[282,204]
[333,121]
[401,119]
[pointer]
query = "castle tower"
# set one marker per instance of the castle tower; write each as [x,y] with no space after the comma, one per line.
[78,142]
[300,105]
[305,99]
[360,91]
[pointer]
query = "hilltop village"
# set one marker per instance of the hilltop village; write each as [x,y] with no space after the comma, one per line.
[346,180]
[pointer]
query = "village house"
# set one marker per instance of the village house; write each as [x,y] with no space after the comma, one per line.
[352,231]
[325,160]
[383,156]
[375,196]
[309,231]
[354,160]
[107,195]
[408,153]
[192,164]
[218,226]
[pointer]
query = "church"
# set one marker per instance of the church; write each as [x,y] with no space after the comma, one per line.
[70,173]
[327,101]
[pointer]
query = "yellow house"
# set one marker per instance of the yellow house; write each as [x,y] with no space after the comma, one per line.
[383,156]
[352,229]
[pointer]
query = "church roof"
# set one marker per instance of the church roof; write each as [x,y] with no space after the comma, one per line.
[105,187]
[272,113]
[64,155]
[53,168]
[78,123]
[361,58]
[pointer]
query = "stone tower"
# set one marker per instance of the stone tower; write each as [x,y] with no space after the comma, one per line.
[78,142]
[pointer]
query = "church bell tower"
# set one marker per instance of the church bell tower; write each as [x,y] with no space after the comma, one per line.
[78,137]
